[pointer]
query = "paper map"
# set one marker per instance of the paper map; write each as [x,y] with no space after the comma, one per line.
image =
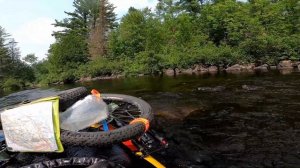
[29,128]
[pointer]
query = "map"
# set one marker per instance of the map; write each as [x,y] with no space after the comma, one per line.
[29,128]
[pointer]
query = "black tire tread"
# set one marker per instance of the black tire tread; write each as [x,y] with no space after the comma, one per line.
[101,139]
[68,97]
[74,161]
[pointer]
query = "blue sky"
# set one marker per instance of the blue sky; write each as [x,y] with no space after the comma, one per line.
[29,21]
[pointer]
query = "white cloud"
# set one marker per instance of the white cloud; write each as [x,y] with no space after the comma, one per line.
[35,36]
[123,5]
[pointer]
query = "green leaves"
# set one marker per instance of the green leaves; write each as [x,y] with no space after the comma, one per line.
[14,73]
[66,55]
[30,59]
[177,34]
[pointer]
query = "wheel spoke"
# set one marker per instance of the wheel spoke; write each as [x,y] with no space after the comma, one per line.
[124,113]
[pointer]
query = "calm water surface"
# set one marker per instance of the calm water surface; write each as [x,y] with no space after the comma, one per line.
[249,120]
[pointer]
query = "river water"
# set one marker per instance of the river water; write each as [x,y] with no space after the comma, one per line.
[221,120]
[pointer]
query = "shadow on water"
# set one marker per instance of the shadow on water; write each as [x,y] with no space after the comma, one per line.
[222,120]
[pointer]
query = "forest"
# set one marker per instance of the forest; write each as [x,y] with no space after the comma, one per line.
[177,34]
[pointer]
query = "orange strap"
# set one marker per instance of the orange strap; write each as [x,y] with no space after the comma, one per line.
[143,120]
[96,93]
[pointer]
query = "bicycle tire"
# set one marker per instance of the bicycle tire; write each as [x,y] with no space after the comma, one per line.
[74,161]
[68,97]
[143,106]
[118,135]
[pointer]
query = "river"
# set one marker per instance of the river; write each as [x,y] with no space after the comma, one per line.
[221,120]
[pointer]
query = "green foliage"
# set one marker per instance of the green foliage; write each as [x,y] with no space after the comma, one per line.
[12,84]
[271,47]
[146,62]
[66,55]
[41,72]
[173,57]
[100,67]
[182,33]
[132,32]
[14,73]
[193,7]
[30,59]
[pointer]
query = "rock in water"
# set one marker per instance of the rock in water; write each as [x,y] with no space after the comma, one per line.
[235,67]
[263,67]
[213,69]
[169,72]
[212,89]
[251,88]
[285,64]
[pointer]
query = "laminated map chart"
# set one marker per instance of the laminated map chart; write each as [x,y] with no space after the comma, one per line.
[29,128]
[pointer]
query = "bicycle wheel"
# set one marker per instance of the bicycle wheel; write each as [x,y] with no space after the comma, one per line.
[129,107]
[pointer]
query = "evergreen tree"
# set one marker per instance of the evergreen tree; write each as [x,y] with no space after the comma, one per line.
[13,72]
[5,60]
[81,20]
[92,20]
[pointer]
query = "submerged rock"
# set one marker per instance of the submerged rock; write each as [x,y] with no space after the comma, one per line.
[273,67]
[251,88]
[285,64]
[187,71]
[178,113]
[239,68]
[285,71]
[212,89]
[295,64]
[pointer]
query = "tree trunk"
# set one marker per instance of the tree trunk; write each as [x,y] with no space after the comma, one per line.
[97,40]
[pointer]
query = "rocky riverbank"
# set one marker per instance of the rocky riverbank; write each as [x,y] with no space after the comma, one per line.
[285,66]
[89,79]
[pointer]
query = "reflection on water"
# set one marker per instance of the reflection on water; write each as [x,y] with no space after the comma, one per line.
[250,120]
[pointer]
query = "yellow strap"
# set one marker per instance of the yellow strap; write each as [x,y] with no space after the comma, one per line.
[97,125]
[151,160]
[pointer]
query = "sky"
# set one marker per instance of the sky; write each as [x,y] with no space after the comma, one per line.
[29,22]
